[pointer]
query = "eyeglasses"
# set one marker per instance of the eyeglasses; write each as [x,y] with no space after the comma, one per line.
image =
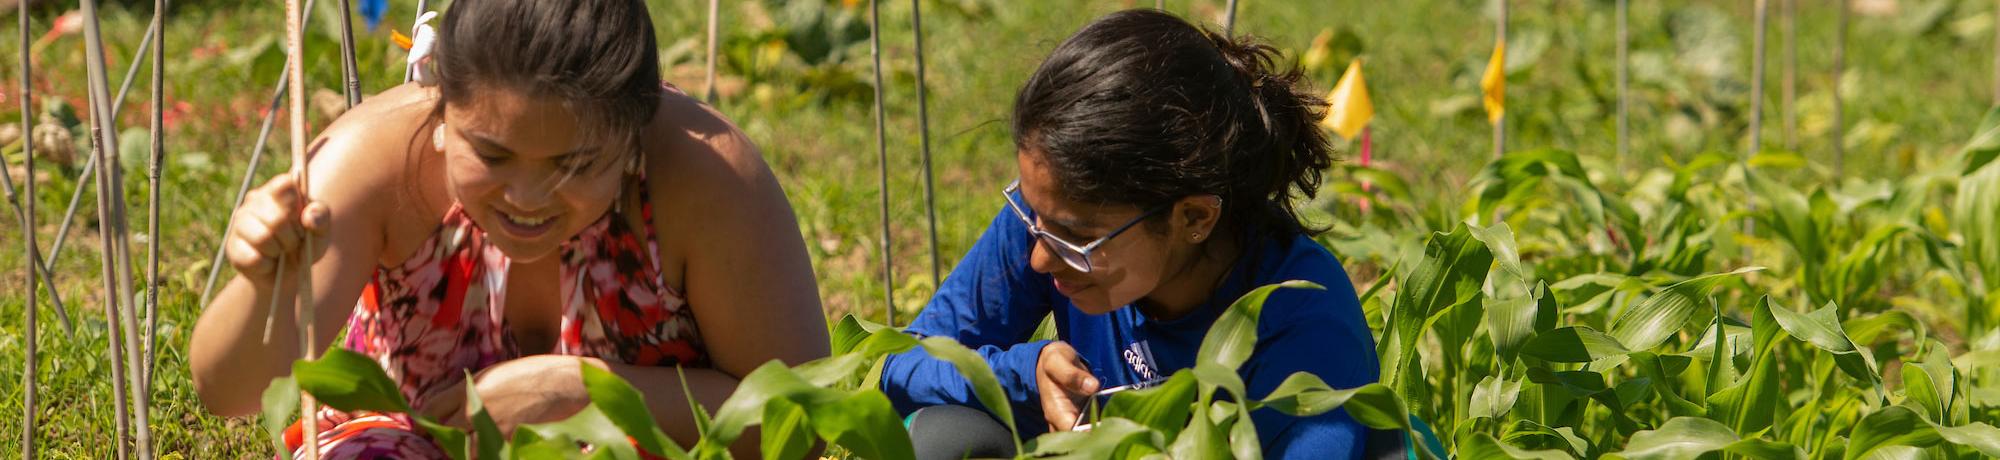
[1077,256]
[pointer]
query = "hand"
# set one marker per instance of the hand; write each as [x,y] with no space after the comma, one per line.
[533,389]
[270,225]
[1065,382]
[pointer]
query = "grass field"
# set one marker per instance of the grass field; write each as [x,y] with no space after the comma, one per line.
[1919,76]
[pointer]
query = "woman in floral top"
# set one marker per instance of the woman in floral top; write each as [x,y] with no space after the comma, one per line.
[539,203]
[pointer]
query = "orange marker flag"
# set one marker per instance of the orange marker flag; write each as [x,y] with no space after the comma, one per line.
[1494,84]
[1349,108]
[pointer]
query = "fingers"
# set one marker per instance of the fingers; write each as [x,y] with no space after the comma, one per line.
[270,225]
[1066,382]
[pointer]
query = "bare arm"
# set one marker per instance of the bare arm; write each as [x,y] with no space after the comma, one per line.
[230,360]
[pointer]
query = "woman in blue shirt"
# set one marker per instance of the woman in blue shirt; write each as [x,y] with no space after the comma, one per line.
[1158,167]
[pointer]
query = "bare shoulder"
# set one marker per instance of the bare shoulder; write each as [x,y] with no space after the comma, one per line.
[696,155]
[361,161]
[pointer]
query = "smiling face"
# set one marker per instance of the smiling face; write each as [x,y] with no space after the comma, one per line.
[523,171]
[1124,269]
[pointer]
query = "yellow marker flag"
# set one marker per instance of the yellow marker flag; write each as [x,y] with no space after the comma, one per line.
[1349,108]
[1494,84]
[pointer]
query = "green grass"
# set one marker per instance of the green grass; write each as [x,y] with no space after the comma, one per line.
[1912,100]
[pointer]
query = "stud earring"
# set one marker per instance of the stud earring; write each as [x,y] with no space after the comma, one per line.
[437,137]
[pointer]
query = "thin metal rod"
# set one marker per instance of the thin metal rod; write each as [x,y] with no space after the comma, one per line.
[924,140]
[349,71]
[28,380]
[1500,126]
[1763,8]
[1229,19]
[295,50]
[882,154]
[1789,92]
[1839,102]
[714,25]
[1624,83]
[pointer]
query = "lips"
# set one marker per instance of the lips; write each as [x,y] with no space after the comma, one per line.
[1070,289]
[526,226]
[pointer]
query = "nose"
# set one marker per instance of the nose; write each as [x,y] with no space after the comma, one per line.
[529,193]
[1044,261]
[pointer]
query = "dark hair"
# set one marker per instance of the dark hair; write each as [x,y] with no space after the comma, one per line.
[1143,108]
[599,57]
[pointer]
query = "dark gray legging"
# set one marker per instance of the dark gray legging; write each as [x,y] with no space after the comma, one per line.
[959,432]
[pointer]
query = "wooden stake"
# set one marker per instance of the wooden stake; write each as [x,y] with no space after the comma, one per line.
[1757,82]
[1229,19]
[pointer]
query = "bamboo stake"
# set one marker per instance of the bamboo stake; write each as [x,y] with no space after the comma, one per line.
[153,235]
[28,381]
[882,154]
[1624,85]
[1839,103]
[41,271]
[115,262]
[250,170]
[924,134]
[1788,94]
[1500,127]
[295,48]
[714,23]
[1229,19]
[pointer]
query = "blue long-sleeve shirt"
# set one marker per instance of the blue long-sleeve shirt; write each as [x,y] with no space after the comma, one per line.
[993,301]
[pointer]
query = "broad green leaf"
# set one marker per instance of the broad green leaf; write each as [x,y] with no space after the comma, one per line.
[1510,322]
[1645,325]
[348,381]
[1821,328]
[1451,271]
[626,408]
[1984,146]
[451,440]
[1305,395]
[1890,426]
[1748,405]
[1109,438]
[985,386]
[1494,396]
[1979,436]
[1483,446]
[1163,408]
[1572,344]
[1932,384]
[1202,439]
[1691,437]
[590,426]
[487,440]
[1243,442]
[1232,338]
[785,434]
[281,400]
[1212,376]
[861,421]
